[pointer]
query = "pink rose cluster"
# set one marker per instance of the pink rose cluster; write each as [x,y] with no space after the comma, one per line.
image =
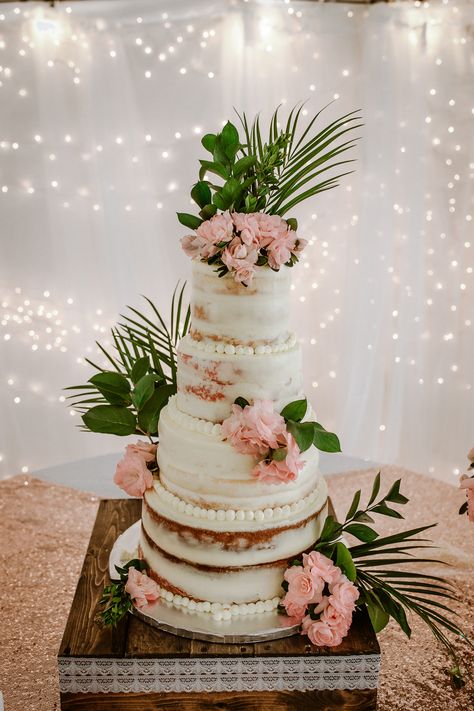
[240,239]
[259,431]
[132,473]
[141,588]
[321,587]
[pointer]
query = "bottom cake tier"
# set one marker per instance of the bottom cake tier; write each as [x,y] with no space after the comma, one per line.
[223,564]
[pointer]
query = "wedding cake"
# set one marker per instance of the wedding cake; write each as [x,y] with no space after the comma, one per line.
[211,531]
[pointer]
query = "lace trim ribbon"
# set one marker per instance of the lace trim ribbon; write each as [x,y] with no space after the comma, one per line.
[90,675]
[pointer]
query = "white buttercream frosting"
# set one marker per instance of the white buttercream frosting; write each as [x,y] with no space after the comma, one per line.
[224,310]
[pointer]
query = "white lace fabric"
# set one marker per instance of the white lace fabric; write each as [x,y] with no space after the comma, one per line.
[90,675]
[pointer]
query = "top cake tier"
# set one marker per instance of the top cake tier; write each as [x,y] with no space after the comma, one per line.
[227,312]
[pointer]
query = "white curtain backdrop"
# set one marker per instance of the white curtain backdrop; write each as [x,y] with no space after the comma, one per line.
[102,105]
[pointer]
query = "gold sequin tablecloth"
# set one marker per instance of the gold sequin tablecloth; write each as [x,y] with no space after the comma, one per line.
[44,531]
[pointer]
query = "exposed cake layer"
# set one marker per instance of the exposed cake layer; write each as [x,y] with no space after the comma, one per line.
[200,467]
[208,383]
[230,543]
[227,583]
[226,311]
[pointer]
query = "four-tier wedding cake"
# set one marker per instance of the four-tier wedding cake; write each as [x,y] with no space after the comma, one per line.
[212,531]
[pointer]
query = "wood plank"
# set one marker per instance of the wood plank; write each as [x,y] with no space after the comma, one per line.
[145,641]
[337,700]
[360,640]
[83,635]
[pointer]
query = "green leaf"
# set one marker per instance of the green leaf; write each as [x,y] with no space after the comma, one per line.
[190,221]
[208,166]
[143,390]
[354,505]
[243,165]
[139,369]
[292,223]
[149,415]
[303,433]
[201,193]
[385,510]
[209,141]
[394,494]
[114,387]
[110,419]
[361,531]
[375,489]
[208,211]
[241,402]
[325,441]
[345,562]
[230,135]
[378,617]
[108,380]
[295,410]
[330,529]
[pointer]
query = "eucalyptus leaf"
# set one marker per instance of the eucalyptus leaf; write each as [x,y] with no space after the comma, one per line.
[375,489]
[110,419]
[230,135]
[354,505]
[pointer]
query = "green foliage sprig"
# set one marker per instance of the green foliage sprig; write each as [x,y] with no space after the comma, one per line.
[115,600]
[373,566]
[127,398]
[305,433]
[270,175]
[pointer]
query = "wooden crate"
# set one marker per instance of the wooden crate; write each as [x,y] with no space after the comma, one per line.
[137,667]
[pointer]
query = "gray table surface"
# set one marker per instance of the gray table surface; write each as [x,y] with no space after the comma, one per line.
[95,474]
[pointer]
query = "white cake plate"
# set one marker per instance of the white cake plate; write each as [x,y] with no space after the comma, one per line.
[240,629]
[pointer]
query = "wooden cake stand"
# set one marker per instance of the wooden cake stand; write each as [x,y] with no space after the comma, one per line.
[138,667]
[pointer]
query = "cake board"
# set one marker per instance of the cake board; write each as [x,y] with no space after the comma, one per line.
[139,667]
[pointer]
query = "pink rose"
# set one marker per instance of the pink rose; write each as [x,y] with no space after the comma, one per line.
[294,609]
[280,249]
[270,227]
[240,259]
[141,588]
[191,246]
[275,472]
[247,225]
[132,474]
[303,588]
[320,633]
[146,450]
[322,566]
[254,428]
[466,482]
[269,471]
[343,596]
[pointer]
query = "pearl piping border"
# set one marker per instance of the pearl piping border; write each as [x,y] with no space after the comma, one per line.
[192,423]
[229,349]
[220,610]
[277,513]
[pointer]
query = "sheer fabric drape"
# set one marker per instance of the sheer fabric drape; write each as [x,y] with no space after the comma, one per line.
[101,108]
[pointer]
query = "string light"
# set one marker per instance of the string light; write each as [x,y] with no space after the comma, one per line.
[62,44]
